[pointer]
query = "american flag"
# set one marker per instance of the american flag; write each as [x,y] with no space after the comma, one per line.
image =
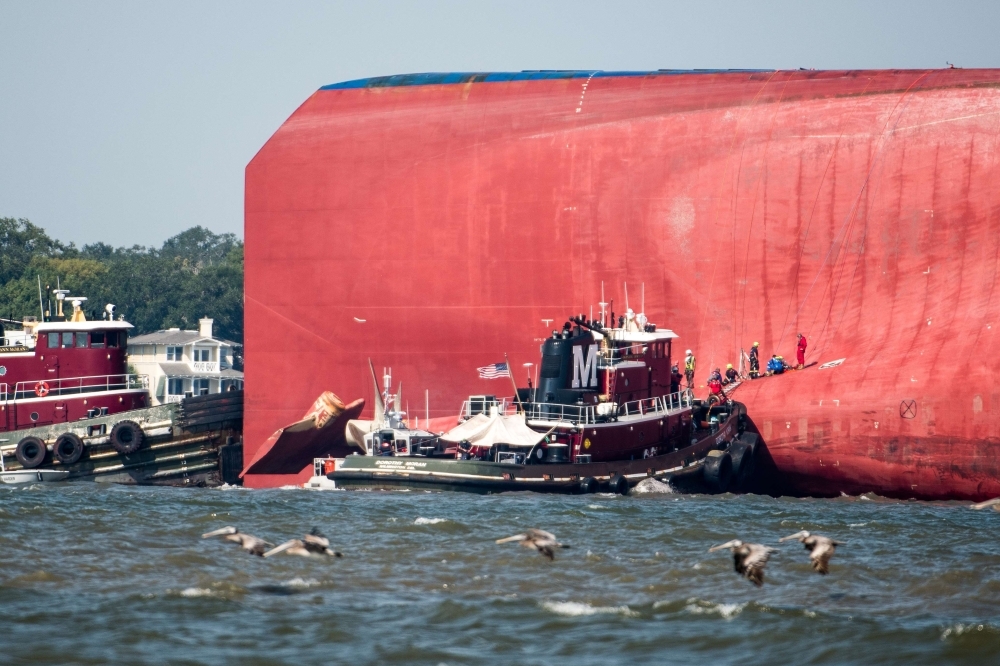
[494,371]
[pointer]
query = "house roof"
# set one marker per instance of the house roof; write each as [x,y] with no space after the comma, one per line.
[175,337]
[185,370]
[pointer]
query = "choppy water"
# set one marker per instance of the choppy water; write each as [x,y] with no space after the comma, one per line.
[93,574]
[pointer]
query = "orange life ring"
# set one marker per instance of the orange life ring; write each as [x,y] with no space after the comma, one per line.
[42,389]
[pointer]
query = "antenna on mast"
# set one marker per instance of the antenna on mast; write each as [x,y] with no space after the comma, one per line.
[626,295]
[643,297]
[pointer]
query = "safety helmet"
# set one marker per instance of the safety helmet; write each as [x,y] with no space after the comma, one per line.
[756,344]
[688,352]
[729,366]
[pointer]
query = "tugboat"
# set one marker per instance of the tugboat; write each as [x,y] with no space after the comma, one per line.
[70,410]
[603,417]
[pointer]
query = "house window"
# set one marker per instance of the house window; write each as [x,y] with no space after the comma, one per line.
[202,355]
[175,386]
[201,387]
[175,353]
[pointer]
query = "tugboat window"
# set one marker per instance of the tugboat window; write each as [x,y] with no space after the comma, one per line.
[97,340]
[81,339]
[67,340]
[53,340]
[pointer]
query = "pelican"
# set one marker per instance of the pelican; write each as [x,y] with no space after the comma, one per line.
[312,544]
[248,542]
[748,559]
[542,541]
[995,503]
[820,549]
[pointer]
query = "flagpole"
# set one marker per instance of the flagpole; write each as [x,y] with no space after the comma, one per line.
[512,382]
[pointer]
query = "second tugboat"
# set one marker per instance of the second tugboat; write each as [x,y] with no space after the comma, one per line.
[603,417]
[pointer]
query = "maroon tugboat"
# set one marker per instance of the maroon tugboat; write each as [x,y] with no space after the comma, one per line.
[60,371]
[602,416]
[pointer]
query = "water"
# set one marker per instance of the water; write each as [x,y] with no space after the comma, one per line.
[94,574]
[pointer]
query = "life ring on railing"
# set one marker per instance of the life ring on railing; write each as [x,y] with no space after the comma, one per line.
[42,389]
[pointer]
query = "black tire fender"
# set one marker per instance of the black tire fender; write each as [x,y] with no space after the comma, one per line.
[68,448]
[127,437]
[718,470]
[30,452]
[742,452]
[588,485]
[618,485]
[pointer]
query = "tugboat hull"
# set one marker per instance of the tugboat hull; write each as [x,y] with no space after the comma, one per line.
[685,468]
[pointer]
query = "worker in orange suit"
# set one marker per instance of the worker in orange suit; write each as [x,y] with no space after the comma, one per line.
[801,352]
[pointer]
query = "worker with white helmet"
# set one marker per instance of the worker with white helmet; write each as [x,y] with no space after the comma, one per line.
[689,365]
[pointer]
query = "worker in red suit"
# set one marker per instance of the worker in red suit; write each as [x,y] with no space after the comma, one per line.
[801,352]
[715,396]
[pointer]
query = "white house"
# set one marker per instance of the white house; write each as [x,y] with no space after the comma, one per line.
[184,363]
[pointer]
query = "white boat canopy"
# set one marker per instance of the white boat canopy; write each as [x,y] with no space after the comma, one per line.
[485,431]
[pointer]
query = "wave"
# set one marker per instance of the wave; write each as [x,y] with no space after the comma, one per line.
[726,611]
[652,486]
[429,521]
[576,609]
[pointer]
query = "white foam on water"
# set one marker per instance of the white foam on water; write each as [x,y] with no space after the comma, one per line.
[298,582]
[575,609]
[596,506]
[290,488]
[856,524]
[652,486]
[196,592]
[726,611]
[429,521]
[959,629]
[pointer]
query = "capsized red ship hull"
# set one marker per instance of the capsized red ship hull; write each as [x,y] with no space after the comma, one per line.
[431,222]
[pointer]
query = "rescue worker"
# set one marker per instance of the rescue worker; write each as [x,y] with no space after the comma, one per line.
[716,375]
[689,366]
[775,366]
[754,361]
[675,379]
[715,396]
[731,375]
[801,352]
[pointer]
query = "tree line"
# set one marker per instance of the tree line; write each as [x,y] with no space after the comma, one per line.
[194,274]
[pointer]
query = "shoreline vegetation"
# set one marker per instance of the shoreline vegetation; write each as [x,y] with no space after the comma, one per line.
[194,274]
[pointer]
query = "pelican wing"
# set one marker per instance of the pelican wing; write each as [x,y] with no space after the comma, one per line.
[821,554]
[283,547]
[540,535]
[516,537]
[315,540]
[982,505]
[222,531]
[754,562]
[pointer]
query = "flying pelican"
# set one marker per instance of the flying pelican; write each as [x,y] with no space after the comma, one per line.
[748,559]
[995,503]
[248,542]
[820,549]
[312,544]
[542,541]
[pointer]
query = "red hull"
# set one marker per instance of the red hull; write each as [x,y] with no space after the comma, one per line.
[859,208]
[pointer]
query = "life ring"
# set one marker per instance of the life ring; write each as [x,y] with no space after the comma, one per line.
[42,389]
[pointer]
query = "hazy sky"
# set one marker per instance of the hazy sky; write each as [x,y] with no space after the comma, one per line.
[127,122]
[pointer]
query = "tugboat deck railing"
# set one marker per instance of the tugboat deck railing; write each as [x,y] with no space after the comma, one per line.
[72,386]
[554,413]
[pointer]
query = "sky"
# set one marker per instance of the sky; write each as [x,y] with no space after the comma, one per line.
[129,122]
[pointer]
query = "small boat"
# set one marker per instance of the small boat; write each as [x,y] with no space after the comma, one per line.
[603,418]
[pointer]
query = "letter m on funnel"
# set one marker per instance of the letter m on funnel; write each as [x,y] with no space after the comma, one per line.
[585,370]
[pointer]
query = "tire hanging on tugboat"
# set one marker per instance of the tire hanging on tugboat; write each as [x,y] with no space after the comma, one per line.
[30,452]
[127,437]
[68,448]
